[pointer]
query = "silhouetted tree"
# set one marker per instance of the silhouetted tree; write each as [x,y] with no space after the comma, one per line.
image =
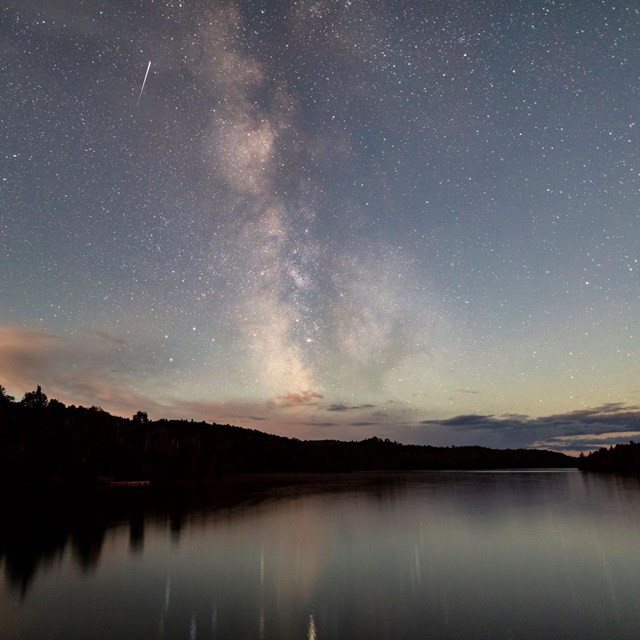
[56,405]
[622,458]
[141,417]
[5,398]
[35,399]
[72,446]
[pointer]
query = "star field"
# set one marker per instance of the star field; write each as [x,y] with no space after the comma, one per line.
[415,212]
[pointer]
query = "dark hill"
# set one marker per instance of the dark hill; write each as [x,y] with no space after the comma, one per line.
[45,442]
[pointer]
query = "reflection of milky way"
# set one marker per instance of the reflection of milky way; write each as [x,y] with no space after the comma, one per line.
[417,212]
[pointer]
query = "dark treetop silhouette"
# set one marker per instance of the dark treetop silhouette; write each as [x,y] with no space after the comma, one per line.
[44,442]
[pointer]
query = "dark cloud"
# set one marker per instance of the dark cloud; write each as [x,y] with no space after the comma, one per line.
[580,430]
[461,421]
[245,417]
[344,407]
[321,424]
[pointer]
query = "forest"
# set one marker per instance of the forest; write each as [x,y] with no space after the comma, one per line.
[620,458]
[47,443]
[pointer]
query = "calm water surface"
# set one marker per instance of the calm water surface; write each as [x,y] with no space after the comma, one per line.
[484,555]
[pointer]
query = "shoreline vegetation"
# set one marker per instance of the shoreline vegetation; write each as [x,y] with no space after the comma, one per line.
[620,458]
[53,456]
[44,443]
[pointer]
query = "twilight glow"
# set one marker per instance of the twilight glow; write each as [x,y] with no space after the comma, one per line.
[416,220]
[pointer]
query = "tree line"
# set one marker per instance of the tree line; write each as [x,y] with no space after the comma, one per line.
[45,442]
[620,458]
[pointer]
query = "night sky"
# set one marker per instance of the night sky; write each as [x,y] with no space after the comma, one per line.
[415,220]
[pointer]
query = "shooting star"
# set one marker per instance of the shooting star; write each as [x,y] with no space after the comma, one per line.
[143,83]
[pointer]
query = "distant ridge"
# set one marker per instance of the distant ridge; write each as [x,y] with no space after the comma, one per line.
[45,442]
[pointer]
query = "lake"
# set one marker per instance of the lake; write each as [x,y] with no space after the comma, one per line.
[429,555]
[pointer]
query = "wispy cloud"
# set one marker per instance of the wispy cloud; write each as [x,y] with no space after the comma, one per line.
[27,355]
[297,399]
[321,424]
[109,337]
[85,369]
[343,407]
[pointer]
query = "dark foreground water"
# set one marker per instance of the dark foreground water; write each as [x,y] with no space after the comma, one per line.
[483,556]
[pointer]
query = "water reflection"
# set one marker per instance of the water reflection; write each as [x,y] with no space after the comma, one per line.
[432,555]
[311,633]
[38,530]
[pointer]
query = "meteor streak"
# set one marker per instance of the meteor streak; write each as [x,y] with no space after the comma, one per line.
[143,83]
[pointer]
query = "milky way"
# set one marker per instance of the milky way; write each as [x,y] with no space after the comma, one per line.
[416,220]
